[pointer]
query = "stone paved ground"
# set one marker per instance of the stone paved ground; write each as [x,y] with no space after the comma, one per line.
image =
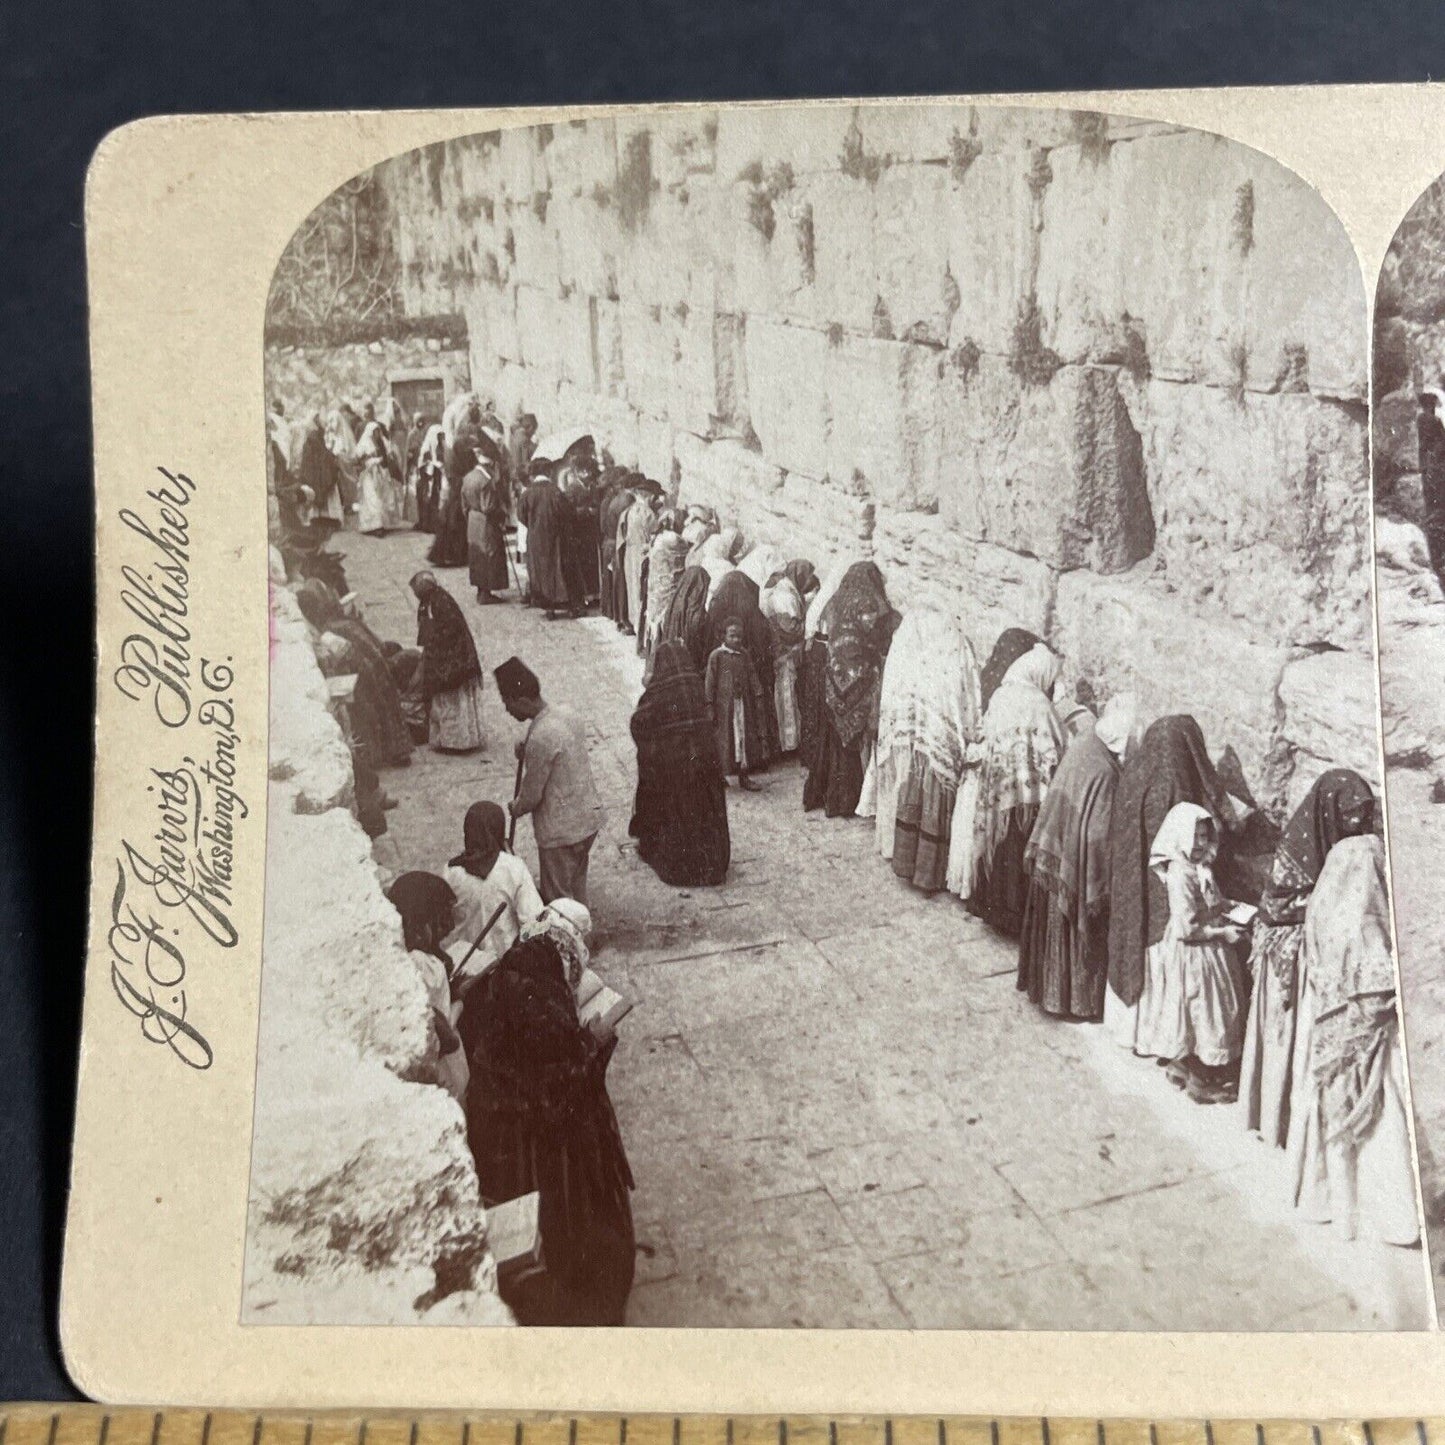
[839,1110]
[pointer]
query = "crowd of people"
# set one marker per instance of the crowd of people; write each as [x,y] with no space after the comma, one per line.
[1112,849]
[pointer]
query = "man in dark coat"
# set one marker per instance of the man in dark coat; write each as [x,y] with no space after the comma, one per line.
[543,512]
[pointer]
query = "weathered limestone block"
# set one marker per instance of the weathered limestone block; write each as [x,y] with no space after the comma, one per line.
[992,249]
[507,382]
[987,588]
[902,134]
[655,448]
[1330,717]
[587,243]
[727,475]
[1305,291]
[771,239]
[653,255]
[845,261]
[684,144]
[1053,471]
[538,330]
[808,137]
[535,238]
[583,157]
[693,391]
[492,323]
[648,355]
[614,428]
[307,755]
[607,348]
[1129,633]
[912,210]
[1262,509]
[519,166]
[1019,127]
[787,394]
[883,404]
[1078,281]
[1395,438]
[1412,649]
[575,340]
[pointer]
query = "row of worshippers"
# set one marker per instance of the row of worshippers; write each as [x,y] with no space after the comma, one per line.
[1097,843]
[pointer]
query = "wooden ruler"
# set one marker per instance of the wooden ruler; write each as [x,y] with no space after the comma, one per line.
[97,1425]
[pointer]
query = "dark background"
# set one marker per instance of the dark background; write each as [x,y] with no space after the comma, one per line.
[70,72]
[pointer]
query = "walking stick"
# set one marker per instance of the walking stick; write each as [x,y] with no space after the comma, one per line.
[486,929]
[516,788]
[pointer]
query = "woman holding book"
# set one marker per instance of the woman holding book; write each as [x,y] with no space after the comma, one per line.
[539,1118]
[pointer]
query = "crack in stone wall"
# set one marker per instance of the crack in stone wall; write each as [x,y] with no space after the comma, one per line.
[364,1207]
[1100,377]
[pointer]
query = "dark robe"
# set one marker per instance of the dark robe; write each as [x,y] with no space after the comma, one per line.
[448,654]
[484,497]
[450,547]
[738,596]
[544,513]
[680,814]
[1430,430]
[316,467]
[732,679]
[539,1118]
[1171,766]
[613,505]
[686,618]
[580,546]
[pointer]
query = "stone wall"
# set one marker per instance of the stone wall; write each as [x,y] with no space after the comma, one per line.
[312,375]
[1099,377]
[364,1206]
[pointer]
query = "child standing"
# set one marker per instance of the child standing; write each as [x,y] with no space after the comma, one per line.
[1191,1012]
[735,694]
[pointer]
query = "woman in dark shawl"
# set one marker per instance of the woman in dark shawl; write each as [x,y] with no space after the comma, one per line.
[427,905]
[858,624]
[377,721]
[739,597]
[450,547]
[1064,946]
[1340,804]
[686,618]
[680,816]
[612,504]
[1171,766]
[451,673]
[1013,643]
[539,1118]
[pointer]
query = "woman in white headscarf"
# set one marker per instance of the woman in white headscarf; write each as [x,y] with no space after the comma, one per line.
[785,605]
[1349,1134]
[929,718]
[1021,748]
[1064,947]
[762,564]
[377,500]
[712,557]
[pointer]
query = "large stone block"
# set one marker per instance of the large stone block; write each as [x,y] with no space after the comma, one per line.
[845,259]
[582,157]
[729,476]
[538,330]
[903,134]
[653,254]
[608,349]
[535,237]
[1054,471]
[912,211]
[1130,633]
[1412,649]
[655,449]
[492,330]
[1305,291]
[587,243]
[648,355]
[684,145]
[808,137]
[787,394]
[883,406]
[518,167]
[1262,508]
[1331,717]
[576,331]
[992,249]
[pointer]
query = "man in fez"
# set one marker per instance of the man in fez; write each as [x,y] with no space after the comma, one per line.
[555,784]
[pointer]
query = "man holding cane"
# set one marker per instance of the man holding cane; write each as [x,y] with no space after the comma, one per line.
[554,784]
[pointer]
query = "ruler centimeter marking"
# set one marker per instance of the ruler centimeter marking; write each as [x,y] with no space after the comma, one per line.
[97,1425]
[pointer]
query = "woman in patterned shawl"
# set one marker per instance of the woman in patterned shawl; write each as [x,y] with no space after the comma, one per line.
[664,570]
[1012,644]
[1340,805]
[686,618]
[1171,766]
[928,718]
[348,645]
[813,666]
[1021,748]
[539,1118]
[859,624]
[784,604]
[680,815]
[1349,1134]
[1064,947]
[451,673]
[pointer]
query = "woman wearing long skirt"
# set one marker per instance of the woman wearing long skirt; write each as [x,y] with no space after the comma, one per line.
[539,1118]
[929,718]
[1171,766]
[1064,947]
[1349,1134]
[484,499]
[449,546]
[1020,752]
[346,645]
[858,624]
[1339,805]
[484,876]
[639,524]
[785,605]
[686,618]
[451,674]
[737,597]
[377,501]
[680,815]
[812,667]
[664,570]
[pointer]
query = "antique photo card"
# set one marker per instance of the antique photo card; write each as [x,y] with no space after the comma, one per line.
[753,731]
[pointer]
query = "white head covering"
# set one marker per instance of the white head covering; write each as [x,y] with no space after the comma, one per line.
[832,581]
[761,563]
[1174,842]
[1038,667]
[1120,726]
[566,923]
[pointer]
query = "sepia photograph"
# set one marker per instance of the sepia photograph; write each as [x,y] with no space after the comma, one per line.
[1409,468]
[824,742]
